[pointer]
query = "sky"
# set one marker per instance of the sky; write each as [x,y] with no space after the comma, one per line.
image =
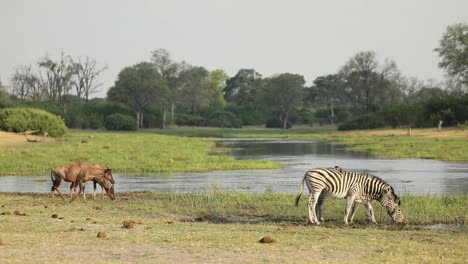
[307,37]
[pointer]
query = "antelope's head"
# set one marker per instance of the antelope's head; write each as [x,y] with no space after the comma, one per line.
[108,174]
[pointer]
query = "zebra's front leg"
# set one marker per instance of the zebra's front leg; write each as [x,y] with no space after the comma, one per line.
[353,212]
[370,213]
[349,204]
[313,199]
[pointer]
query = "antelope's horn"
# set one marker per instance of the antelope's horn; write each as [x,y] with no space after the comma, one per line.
[107,166]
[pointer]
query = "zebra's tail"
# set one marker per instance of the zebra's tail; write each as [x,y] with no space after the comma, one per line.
[298,198]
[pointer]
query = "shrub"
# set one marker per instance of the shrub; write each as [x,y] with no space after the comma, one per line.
[276,123]
[223,119]
[365,121]
[27,119]
[189,120]
[120,122]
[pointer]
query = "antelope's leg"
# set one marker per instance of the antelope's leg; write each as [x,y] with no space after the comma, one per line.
[75,195]
[94,190]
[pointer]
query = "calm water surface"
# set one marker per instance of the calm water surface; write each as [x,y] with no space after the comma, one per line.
[419,177]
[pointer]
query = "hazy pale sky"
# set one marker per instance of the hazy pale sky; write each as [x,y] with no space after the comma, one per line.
[306,37]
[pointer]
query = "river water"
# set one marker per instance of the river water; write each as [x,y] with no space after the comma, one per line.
[407,176]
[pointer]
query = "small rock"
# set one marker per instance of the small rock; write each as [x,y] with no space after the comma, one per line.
[6,213]
[267,240]
[102,235]
[128,224]
[55,216]
[17,212]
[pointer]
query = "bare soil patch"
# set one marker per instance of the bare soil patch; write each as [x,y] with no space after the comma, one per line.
[14,139]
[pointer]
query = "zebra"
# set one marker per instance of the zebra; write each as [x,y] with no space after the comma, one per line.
[357,188]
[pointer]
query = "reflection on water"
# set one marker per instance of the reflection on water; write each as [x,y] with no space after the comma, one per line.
[420,177]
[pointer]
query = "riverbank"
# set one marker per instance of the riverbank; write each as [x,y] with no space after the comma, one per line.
[144,152]
[193,149]
[449,144]
[217,226]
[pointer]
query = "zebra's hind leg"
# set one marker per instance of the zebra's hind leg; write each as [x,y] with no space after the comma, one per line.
[313,199]
[318,208]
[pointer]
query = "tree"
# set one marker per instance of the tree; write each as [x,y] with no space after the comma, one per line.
[214,86]
[243,88]
[26,84]
[138,87]
[56,77]
[192,88]
[4,97]
[328,90]
[453,51]
[367,83]
[169,71]
[85,74]
[283,93]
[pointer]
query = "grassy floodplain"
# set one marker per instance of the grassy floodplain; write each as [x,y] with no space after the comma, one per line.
[225,227]
[217,226]
[450,144]
[192,149]
[124,152]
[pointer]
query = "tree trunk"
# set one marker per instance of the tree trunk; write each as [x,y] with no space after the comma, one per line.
[285,121]
[163,125]
[439,124]
[332,112]
[137,115]
[141,120]
[172,115]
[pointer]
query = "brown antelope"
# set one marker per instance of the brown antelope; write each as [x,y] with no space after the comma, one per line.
[96,169]
[90,173]
[80,173]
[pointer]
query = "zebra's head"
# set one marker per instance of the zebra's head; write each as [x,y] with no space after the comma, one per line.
[391,202]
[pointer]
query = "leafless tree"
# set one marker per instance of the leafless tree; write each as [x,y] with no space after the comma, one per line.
[56,76]
[27,84]
[85,73]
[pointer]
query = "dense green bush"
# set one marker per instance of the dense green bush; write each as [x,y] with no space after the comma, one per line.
[189,120]
[276,123]
[223,119]
[120,122]
[29,119]
[365,121]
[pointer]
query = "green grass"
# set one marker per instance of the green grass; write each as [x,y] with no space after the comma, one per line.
[447,149]
[183,149]
[391,143]
[224,227]
[124,152]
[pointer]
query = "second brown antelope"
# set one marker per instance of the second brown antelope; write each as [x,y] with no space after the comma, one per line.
[78,174]
[102,181]
[90,173]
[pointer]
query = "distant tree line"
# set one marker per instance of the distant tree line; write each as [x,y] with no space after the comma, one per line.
[161,92]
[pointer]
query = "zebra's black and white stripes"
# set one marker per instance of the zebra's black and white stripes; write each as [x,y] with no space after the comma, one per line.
[357,188]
